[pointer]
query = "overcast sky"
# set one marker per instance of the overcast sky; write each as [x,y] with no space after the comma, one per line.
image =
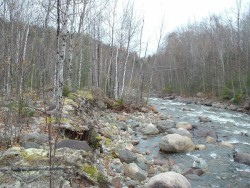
[177,13]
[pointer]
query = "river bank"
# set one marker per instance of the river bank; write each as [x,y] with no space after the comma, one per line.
[100,147]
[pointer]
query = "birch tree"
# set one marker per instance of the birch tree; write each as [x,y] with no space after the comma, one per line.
[61,49]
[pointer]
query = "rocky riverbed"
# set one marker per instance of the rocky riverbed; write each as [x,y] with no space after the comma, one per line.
[99,147]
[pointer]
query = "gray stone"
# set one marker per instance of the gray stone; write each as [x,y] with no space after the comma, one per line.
[168,180]
[184,125]
[243,158]
[163,126]
[204,119]
[126,156]
[34,137]
[74,144]
[173,143]
[180,131]
[27,145]
[150,129]
[134,172]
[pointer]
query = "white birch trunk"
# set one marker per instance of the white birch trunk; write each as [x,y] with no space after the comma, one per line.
[80,71]
[60,60]
[116,75]
[71,47]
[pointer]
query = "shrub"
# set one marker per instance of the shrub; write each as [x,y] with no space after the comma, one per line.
[66,91]
[227,94]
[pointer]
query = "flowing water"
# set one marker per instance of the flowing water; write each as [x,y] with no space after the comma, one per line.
[229,126]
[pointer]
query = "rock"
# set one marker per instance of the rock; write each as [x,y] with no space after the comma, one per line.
[150,129]
[210,140]
[27,145]
[204,119]
[200,147]
[243,158]
[176,143]
[200,163]
[117,165]
[121,118]
[136,173]
[144,110]
[200,95]
[34,137]
[203,132]
[184,125]
[132,183]
[153,109]
[193,170]
[104,132]
[180,131]
[227,144]
[116,182]
[163,126]
[135,142]
[126,156]
[168,180]
[232,107]
[74,144]
[247,105]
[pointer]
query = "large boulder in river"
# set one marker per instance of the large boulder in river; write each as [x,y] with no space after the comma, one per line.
[173,143]
[163,126]
[168,180]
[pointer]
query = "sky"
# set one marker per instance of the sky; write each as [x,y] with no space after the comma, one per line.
[177,13]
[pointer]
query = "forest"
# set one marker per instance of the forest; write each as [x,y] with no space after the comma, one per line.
[94,46]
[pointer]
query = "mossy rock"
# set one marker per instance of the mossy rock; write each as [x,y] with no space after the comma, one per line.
[33,154]
[95,174]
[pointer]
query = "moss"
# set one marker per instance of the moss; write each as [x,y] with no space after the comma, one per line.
[72,96]
[94,174]
[53,120]
[90,170]
[70,101]
[32,155]
[86,94]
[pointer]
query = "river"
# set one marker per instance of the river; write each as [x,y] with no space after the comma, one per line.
[229,126]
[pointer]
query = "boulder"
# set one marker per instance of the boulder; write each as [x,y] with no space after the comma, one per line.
[200,94]
[184,125]
[243,158]
[74,144]
[126,156]
[34,137]
[204,119]
[136,173]
[180,131]
[150,129]
[210,140]
[247,105]
[163,126]
[227,144]
[200,147]
[200,163]
[173,143]
[168,180]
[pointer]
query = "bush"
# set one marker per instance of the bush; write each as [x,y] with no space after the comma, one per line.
[227,94]
[168,89]
[66,91]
